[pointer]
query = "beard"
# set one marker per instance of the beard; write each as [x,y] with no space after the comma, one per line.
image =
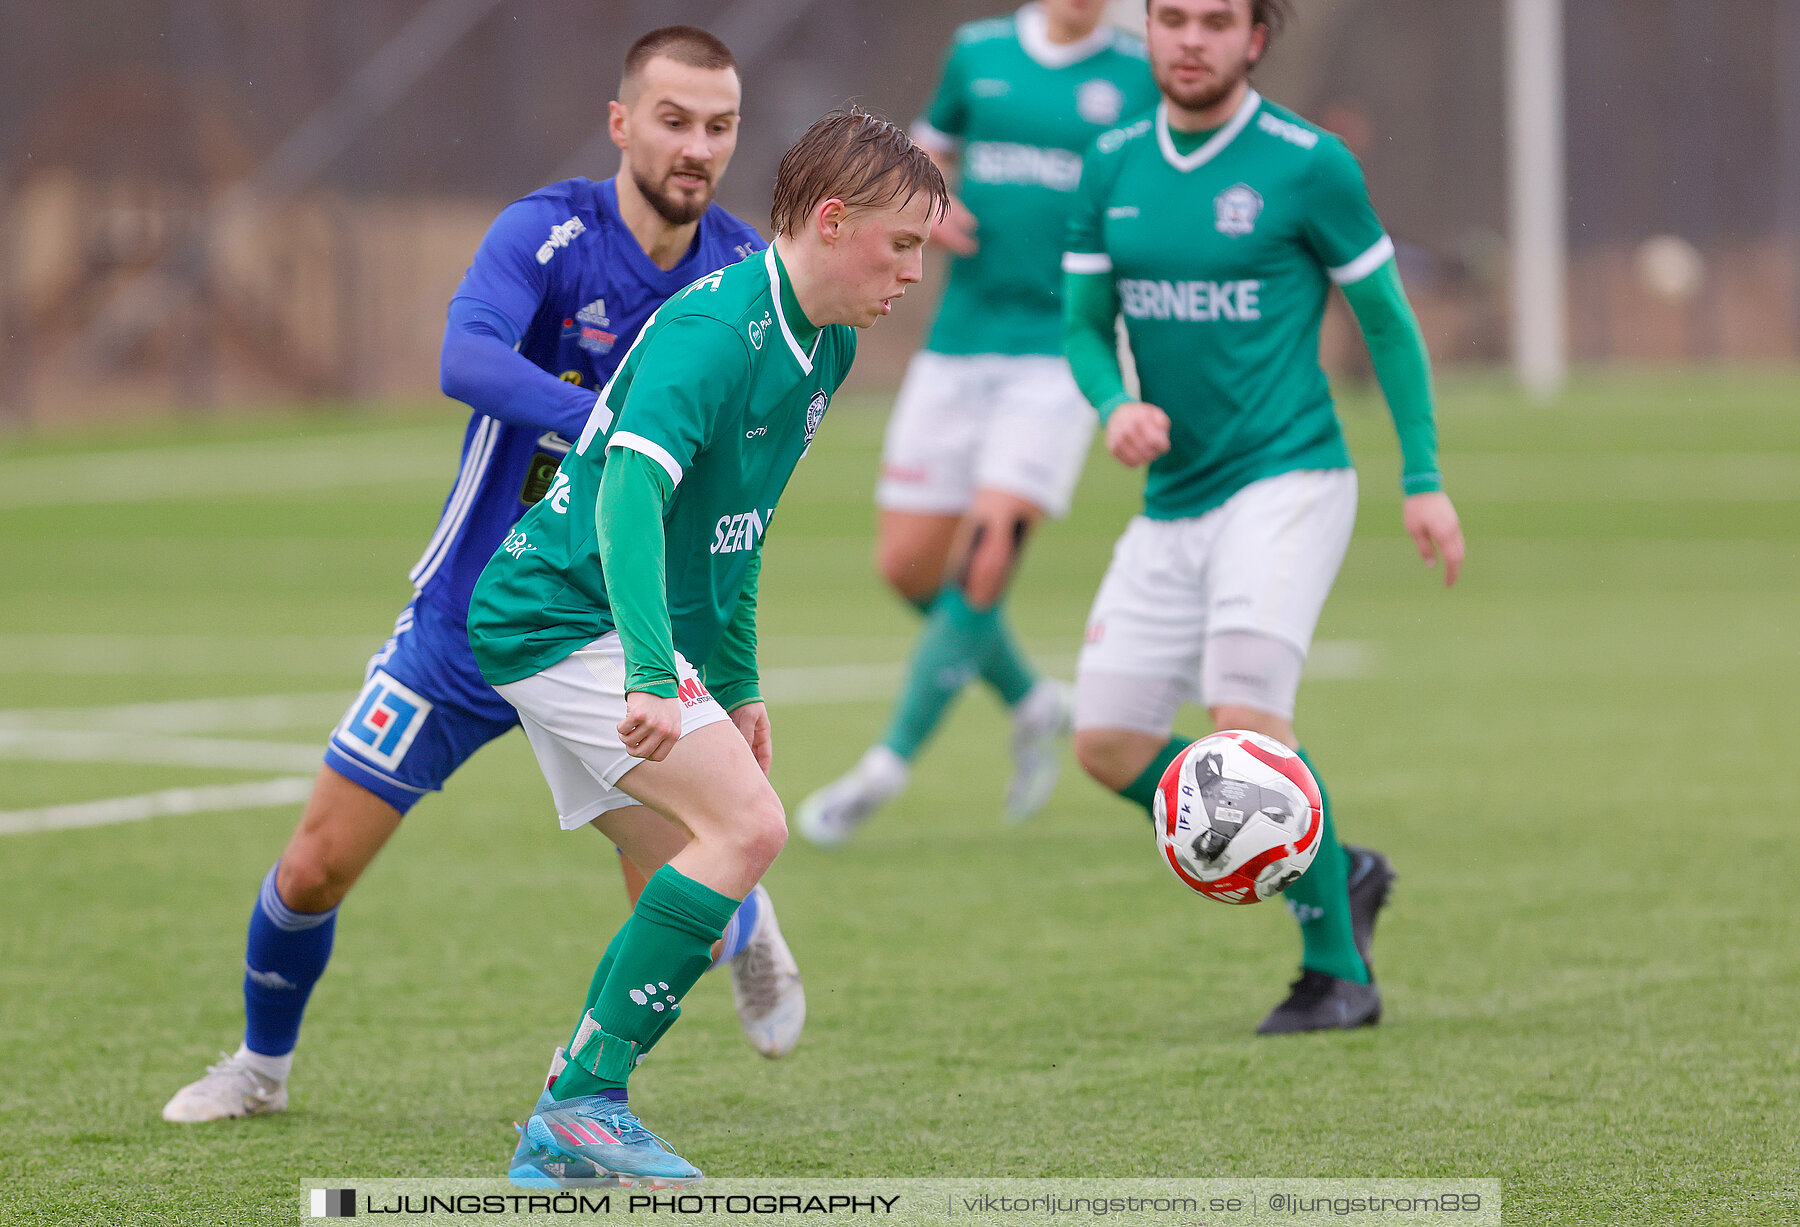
[1202,97]
[674,209]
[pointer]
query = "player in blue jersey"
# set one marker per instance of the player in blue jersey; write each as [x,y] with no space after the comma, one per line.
[558,290]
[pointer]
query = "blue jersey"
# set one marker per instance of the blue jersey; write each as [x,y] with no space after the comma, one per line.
[560,280]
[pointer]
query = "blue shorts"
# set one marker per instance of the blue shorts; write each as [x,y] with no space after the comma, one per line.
[423,710]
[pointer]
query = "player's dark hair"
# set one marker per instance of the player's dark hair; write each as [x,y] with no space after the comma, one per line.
[1272,15]
[688,45]
[858,158]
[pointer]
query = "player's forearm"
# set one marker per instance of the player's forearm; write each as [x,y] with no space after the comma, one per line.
[1090,305]
[480,367]
[730,672]
[1403,368]
[634,490]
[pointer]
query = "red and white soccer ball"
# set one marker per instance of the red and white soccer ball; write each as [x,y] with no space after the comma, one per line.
[1238,817]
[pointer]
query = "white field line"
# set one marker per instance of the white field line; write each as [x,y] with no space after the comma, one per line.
[288,790]
[49,746]
[182,655]
[1331,660]
[268,466]
[145,733]
[269,711]
[1632,477]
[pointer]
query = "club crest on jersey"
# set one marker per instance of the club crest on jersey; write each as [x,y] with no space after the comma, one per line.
[381,724]
[1235,210]
[1099,101]
[815,413]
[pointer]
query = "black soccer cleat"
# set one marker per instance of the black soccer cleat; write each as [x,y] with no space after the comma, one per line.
[1370,876]
[1320,1002]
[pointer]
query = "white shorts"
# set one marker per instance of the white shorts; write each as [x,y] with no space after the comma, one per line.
[968,422]
[1261,564]
[571,713]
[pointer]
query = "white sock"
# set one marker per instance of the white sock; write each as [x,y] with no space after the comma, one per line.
[1041,704]
[269,1067]
[884,772]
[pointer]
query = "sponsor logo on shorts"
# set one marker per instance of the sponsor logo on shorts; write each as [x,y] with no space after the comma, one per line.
[382,723]
[1095,633]
[692,692]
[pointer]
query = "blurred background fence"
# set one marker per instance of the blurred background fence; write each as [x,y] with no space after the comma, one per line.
[241,201]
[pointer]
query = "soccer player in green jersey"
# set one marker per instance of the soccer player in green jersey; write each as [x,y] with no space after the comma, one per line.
[1217,227]
[989,433]
[643,556]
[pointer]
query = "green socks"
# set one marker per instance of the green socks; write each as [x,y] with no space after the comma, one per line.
[957,644]
[651,963]
[1143,789]
[1319,900]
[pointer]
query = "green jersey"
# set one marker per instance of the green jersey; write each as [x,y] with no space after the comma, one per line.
[1021,109]
[722,390]
[1222,257]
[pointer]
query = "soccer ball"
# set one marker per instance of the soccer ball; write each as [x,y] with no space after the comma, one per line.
[1238,817]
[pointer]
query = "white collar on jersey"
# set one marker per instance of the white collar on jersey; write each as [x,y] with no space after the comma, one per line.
[1213,147]
[801,356]
[1034,36]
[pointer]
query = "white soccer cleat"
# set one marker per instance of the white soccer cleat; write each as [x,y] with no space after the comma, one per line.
[766,988]
[830,816]
[231,1088]
[1041,722]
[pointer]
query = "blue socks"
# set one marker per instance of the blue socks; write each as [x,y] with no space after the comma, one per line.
[284,957]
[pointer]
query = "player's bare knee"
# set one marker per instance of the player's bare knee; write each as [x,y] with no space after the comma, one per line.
[305,880]
[761,832]
[1106,755]
[984,579]
[994,548]
[910,577]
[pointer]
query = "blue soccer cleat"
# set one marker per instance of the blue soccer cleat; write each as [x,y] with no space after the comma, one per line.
[535,1167]
[603,1133]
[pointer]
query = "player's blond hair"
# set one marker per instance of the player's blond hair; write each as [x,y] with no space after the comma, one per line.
[858,158]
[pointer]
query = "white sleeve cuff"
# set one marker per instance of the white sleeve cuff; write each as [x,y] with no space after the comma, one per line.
[655,451]
[1086,262]
[1363,265]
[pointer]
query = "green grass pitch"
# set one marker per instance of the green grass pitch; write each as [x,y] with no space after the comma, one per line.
[1583,761]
